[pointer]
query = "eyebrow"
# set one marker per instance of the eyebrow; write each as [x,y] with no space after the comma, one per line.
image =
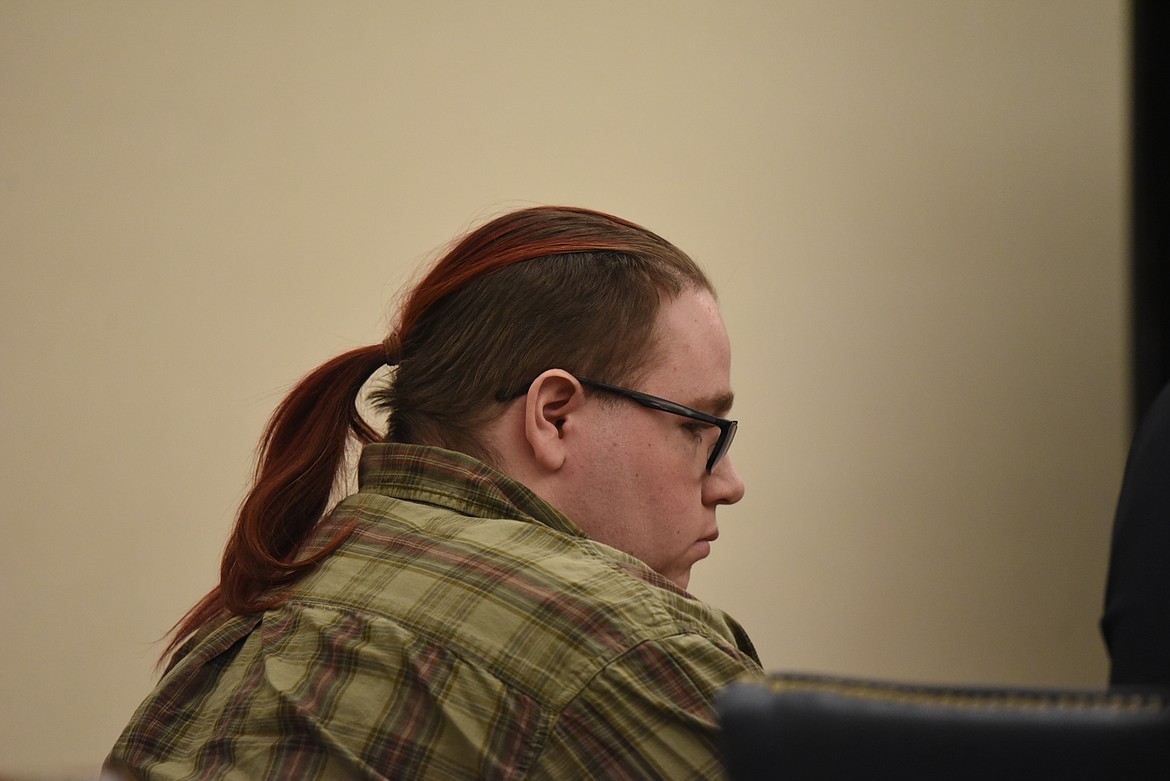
[719,405]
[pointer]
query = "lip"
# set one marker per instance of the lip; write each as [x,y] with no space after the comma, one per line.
[703,545]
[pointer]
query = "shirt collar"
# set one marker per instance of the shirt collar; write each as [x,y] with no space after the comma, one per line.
[445,478]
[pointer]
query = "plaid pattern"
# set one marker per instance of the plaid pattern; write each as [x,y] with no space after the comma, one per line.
[465,629]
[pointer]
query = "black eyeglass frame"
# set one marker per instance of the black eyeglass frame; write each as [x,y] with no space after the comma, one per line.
[727,428]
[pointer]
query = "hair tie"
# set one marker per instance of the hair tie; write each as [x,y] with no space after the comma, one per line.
[392,349]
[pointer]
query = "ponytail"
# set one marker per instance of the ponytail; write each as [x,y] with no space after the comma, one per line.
[300,453]
[483,320]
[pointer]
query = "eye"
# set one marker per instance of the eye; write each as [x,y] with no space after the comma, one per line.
[696,429]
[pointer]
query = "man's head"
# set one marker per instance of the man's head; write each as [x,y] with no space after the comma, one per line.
[490,352]
[493,344]
[531,290]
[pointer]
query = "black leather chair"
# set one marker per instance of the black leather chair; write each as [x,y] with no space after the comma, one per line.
[798,727]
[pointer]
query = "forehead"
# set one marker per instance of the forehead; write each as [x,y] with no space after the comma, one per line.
[693,357]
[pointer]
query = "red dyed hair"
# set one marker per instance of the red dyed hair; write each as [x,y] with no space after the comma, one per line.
[475,331]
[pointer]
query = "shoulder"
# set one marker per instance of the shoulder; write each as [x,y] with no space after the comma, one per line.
[530,604]
[651,711]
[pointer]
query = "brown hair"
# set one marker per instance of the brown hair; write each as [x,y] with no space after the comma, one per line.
[540,288]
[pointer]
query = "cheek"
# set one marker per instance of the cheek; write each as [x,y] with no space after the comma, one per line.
[648,492]
[670,515]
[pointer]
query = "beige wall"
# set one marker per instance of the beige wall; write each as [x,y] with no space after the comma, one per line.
[914,210]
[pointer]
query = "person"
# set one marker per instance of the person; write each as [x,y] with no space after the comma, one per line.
[505,594]
[1136,620]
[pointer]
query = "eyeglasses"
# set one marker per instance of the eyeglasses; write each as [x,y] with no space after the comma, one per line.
[727,428]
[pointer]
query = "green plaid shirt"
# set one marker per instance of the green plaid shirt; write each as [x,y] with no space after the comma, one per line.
[465,629]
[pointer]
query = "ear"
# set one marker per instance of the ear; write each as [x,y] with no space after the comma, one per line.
[553,399]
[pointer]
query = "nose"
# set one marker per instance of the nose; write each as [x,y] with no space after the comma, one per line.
[723,485]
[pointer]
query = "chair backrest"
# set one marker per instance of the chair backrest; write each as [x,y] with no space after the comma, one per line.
[796,727]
